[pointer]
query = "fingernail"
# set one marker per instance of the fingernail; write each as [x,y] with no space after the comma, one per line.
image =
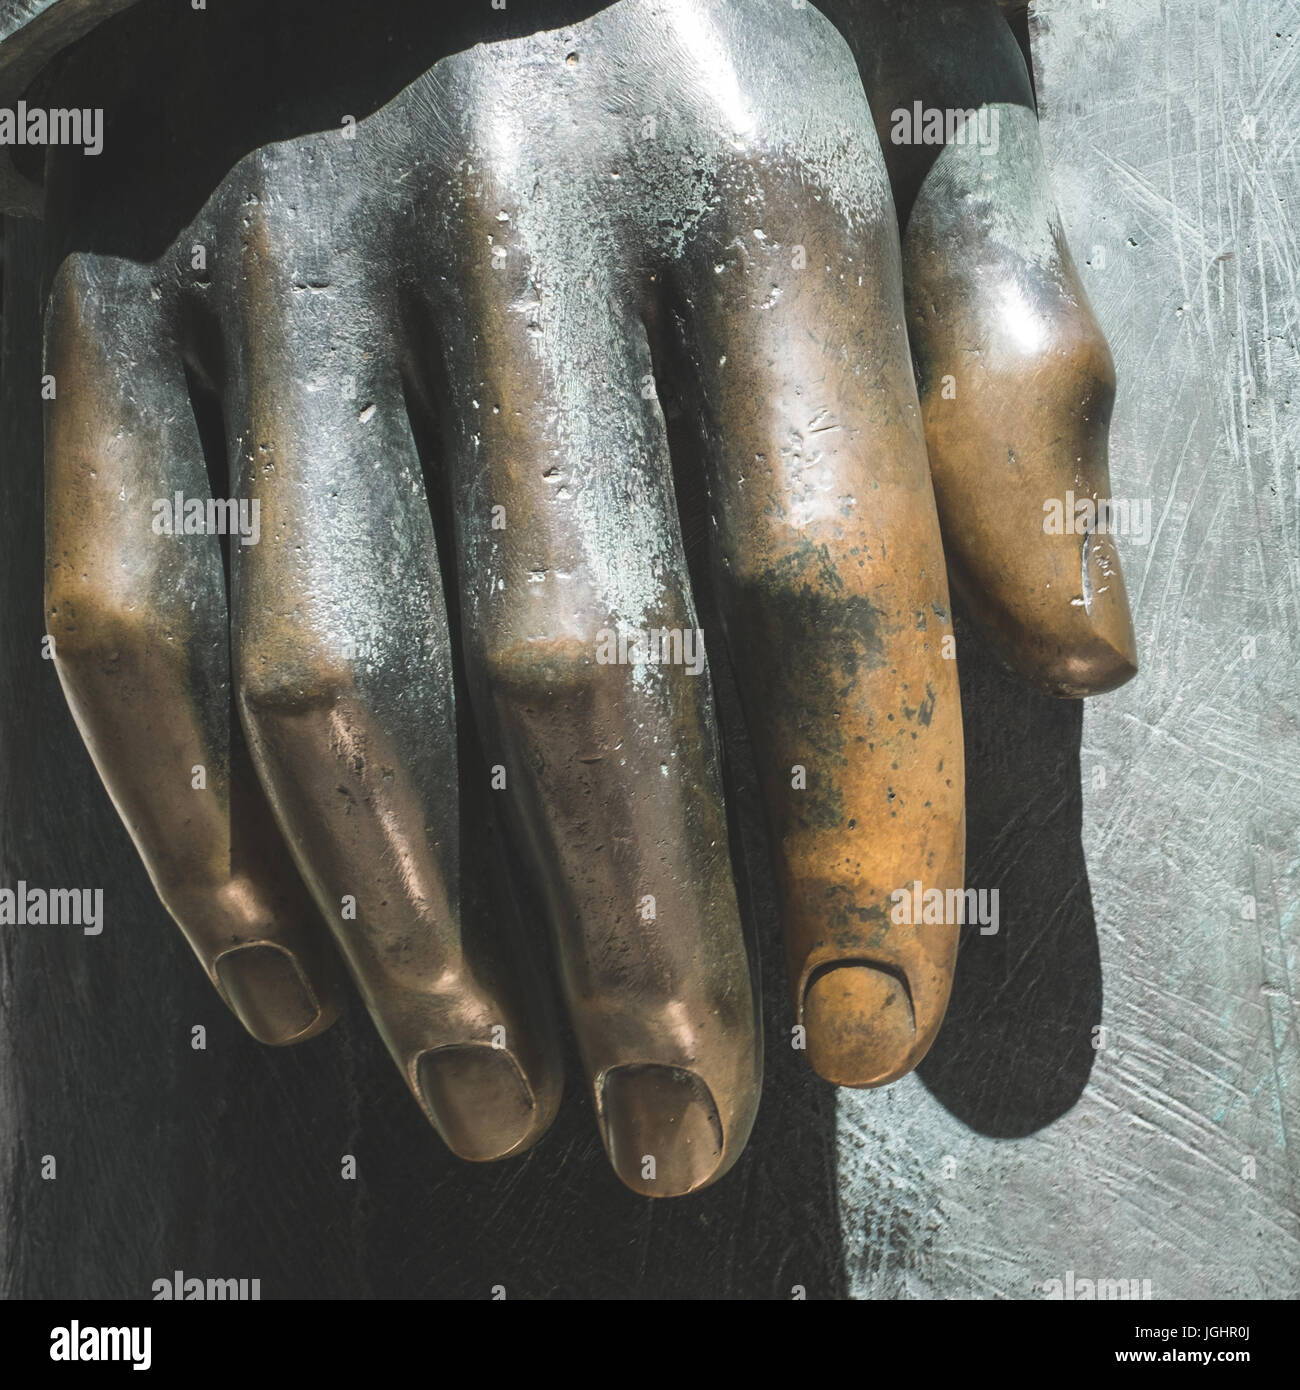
[480,1102]
[860,1026]
[662,1129]
[268,992]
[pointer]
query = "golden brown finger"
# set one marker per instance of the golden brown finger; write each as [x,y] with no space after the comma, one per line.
[571,563]
[1015,376]
[345,684]
[138,617]
[830,569]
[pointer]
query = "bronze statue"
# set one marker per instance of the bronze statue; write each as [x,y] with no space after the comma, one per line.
[362,525]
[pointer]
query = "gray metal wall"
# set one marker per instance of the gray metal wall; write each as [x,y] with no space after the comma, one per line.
[1172,134]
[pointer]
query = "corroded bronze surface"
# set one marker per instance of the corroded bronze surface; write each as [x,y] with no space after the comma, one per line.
[418,325]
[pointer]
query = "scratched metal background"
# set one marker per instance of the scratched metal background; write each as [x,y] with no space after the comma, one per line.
[1020,1151]
[1172,134]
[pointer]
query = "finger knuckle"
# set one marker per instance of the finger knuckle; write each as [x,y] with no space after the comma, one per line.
[520,669]
[273,683]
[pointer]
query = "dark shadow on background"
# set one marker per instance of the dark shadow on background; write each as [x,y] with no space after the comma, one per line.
[1016,1047]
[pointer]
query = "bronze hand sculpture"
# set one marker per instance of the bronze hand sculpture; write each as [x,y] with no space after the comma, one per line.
[418,335]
